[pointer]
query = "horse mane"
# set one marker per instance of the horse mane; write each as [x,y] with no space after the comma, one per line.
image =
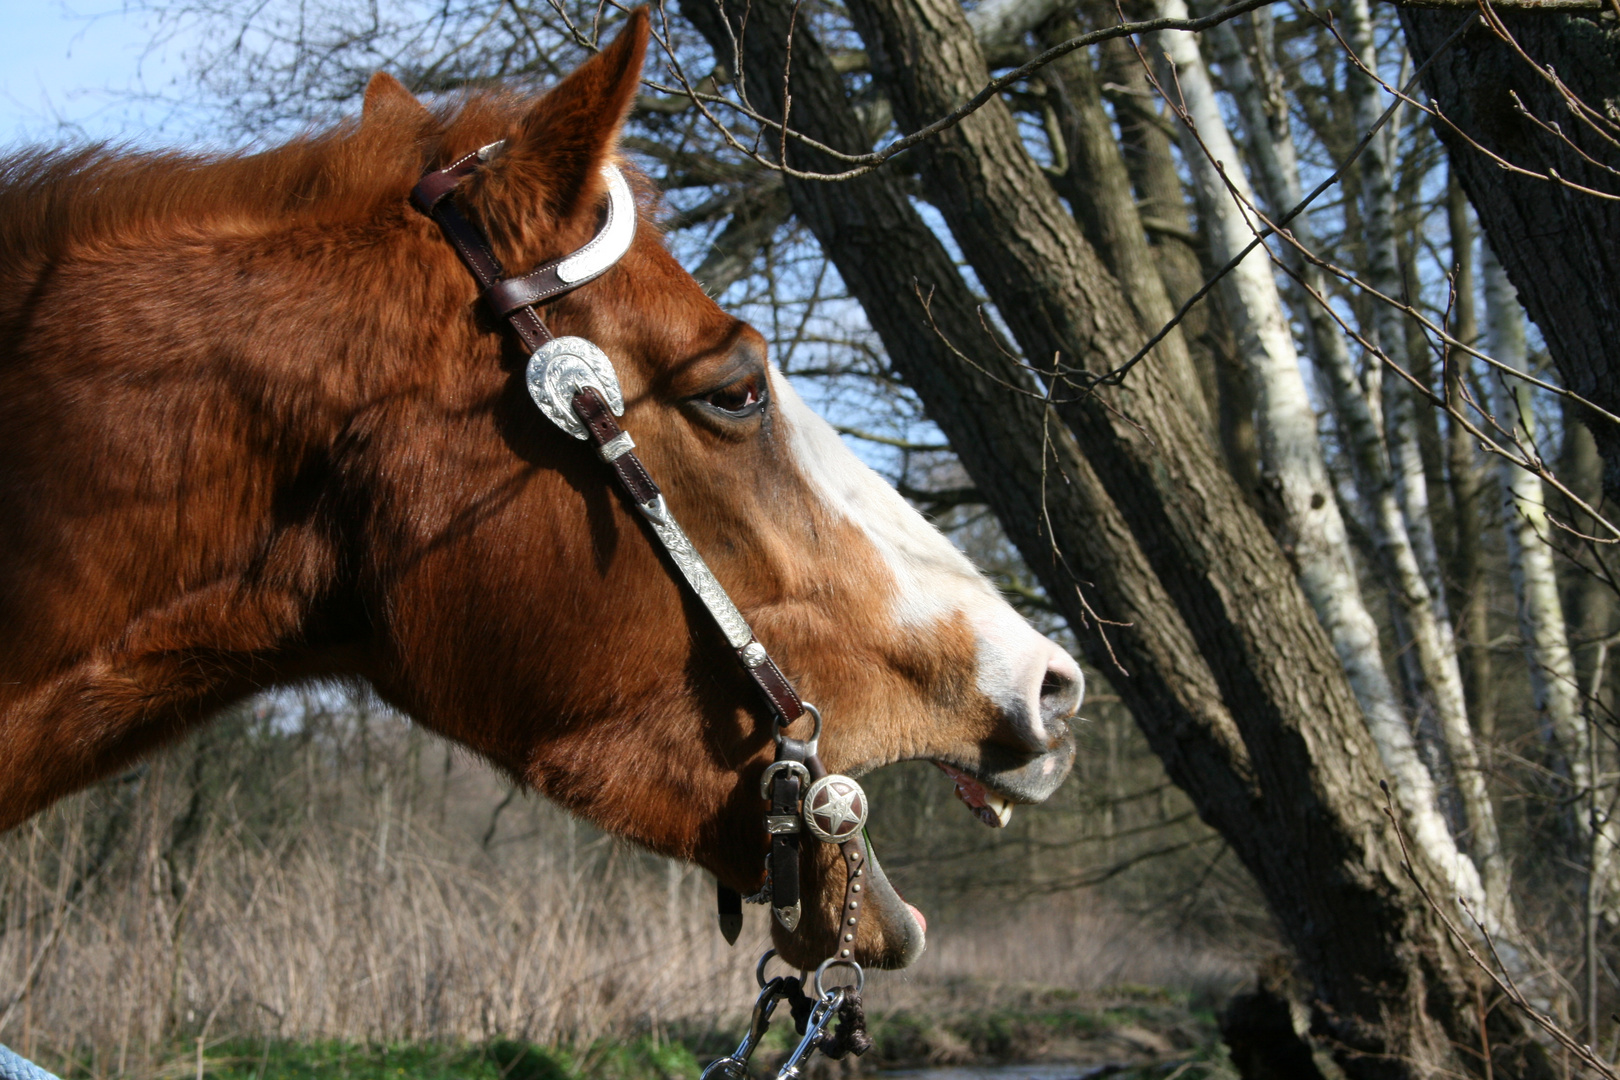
[53,199]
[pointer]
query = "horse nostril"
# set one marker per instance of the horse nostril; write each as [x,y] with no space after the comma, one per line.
[1061,689]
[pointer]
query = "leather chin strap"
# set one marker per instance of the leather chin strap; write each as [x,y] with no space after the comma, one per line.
[853,852]
[574,384]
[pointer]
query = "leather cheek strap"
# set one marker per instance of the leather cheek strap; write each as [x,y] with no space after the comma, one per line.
[603,429]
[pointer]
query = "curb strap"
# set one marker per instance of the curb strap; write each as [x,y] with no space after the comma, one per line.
[853,851]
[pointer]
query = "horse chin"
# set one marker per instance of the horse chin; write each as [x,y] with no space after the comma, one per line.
[990,780]
[904,931]
[892,932]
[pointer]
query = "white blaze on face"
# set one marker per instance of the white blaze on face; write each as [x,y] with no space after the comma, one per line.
[933,581]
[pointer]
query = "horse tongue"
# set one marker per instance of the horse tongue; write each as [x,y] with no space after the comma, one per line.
[918,915]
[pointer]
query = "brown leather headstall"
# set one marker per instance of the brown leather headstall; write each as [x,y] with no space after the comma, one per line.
[574,384]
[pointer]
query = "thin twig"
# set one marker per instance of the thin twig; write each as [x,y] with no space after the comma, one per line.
[1503,983]
[865,163]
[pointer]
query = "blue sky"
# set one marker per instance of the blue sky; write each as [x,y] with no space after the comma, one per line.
[85,69]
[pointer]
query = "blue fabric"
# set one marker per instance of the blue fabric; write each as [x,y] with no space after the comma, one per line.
[14,1066]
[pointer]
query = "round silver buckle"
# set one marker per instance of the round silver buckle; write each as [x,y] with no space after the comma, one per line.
[561,368]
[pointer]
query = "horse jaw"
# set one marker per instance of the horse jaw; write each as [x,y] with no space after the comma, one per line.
[893,933]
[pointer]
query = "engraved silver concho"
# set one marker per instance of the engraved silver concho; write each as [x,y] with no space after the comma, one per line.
[835,808]
[561,368]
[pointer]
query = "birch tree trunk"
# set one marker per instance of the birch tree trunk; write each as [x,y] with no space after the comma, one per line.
[1530,560]
[1464,473]
[1389,324]
[1396,487]
[1354,633]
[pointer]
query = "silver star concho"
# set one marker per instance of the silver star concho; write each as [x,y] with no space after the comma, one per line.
[835,808]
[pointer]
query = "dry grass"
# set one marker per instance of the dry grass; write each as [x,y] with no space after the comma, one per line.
[1077,942]
[327,936]
[196,900]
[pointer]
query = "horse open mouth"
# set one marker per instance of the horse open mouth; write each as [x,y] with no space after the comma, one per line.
[990,808]
[997,780]
[990,782]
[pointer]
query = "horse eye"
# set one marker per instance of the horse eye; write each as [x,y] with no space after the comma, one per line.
[742,398]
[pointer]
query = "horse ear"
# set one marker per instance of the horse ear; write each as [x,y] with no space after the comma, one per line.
[386,96]
[564,139]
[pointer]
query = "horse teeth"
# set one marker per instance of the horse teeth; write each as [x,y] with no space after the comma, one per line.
[996,811]
[991,809]
[1003,811]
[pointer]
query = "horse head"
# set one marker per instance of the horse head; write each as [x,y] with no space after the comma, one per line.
[384,502]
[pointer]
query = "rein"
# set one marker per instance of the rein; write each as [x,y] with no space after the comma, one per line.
[574,384]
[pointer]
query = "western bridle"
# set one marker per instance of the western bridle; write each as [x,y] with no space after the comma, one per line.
[575,386]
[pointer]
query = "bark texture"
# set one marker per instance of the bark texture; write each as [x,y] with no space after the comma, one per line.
[1262,730]
[1393,481]
[1098,189]
[1177,251]
[1557,244]
[1331,583]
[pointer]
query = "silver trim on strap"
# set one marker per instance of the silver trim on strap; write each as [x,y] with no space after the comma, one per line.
[697,573]
[563,367]
[608,246]
[616,447]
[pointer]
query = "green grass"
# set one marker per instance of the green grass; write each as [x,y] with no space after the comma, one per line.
[1029,1024]
[641,1059]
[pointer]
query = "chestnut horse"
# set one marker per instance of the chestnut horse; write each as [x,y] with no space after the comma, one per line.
[259,429]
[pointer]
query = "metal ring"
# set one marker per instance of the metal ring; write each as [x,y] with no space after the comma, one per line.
[833,961]
[759,971]
[782,766]
[815,736]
